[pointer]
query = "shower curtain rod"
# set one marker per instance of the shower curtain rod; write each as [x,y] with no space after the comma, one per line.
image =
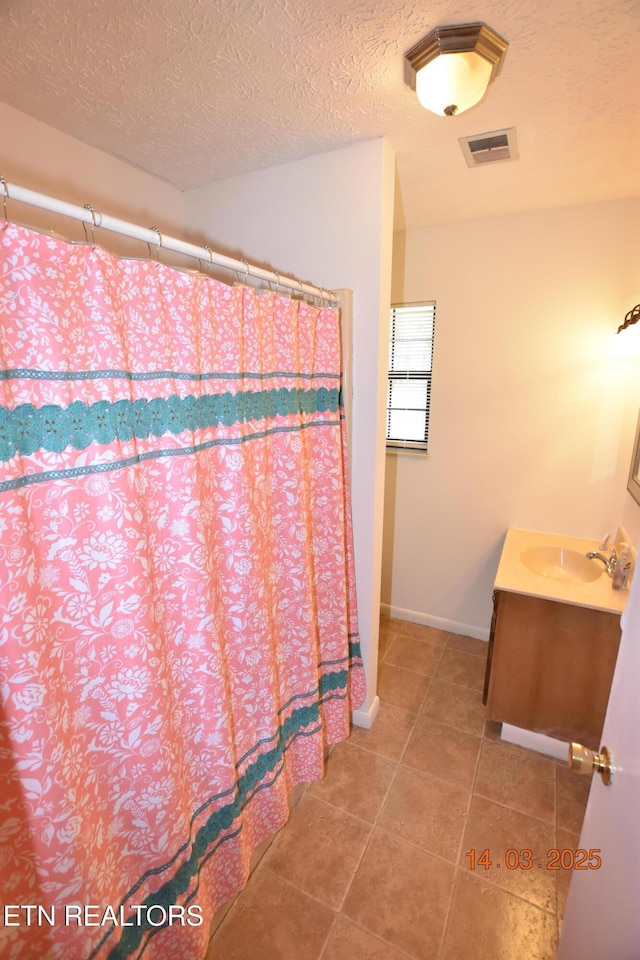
[153,236]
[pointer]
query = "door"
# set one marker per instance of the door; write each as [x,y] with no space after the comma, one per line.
[602,919]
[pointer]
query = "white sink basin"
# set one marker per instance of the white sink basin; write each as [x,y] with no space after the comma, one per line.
[558,563]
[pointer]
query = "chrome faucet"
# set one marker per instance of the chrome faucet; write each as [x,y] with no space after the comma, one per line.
[609,564]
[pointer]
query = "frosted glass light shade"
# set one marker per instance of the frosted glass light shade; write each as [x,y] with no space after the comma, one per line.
[453,82]
[451,68]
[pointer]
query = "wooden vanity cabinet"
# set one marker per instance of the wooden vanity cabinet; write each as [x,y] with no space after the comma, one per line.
[550,666]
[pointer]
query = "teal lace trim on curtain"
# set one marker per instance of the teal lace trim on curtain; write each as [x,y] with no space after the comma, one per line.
[29,373]
[53,428]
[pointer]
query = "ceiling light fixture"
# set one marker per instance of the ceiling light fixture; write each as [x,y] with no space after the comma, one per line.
[632,317]
[451,68]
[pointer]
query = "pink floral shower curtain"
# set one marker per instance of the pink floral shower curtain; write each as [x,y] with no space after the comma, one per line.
[178,636]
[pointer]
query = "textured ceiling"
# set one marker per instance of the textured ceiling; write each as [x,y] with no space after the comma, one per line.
[198,90]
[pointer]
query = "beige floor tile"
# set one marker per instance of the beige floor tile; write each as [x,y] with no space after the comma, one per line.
[443,751]
[416,655]
[425,811]
[385,639]
[477,648]
[401,894]
[463,668]
[571,798]
[319,850]
[418,631]
[457,706]
[565,841]
[218,917]
[407,628]
[272,919]
[423,633]
[518,778]
[348,942]
[523,872]
[401,688]
[389,733]
[486,923]
[356,781]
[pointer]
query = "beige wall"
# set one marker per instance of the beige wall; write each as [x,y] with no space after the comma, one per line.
[328,219]
[532,419]
[36,156]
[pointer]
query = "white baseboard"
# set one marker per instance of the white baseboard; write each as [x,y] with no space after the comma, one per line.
[451,626]
[365,718]
[535,741]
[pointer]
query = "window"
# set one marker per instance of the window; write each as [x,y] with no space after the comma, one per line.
[409,386]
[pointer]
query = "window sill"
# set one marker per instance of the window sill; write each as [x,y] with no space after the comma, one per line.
[412,451]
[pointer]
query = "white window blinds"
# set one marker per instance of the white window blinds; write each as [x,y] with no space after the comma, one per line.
[409,385]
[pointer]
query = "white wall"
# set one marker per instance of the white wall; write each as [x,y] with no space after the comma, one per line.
[36,156]
[532,421]
[327,219]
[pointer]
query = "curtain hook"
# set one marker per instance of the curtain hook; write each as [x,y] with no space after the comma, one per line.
[159,246]
[5,197]
[88,207]
[330,297]
[246,273]
[202,266]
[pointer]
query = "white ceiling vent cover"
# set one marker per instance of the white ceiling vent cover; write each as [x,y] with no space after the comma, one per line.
[485,148]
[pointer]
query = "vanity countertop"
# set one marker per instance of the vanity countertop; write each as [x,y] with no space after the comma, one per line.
[515,577]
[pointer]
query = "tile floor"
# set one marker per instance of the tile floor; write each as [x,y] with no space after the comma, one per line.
[374,863]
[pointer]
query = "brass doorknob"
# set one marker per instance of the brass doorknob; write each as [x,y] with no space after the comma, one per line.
[583,760]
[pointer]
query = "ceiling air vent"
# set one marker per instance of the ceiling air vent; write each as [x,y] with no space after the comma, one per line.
[495,147]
